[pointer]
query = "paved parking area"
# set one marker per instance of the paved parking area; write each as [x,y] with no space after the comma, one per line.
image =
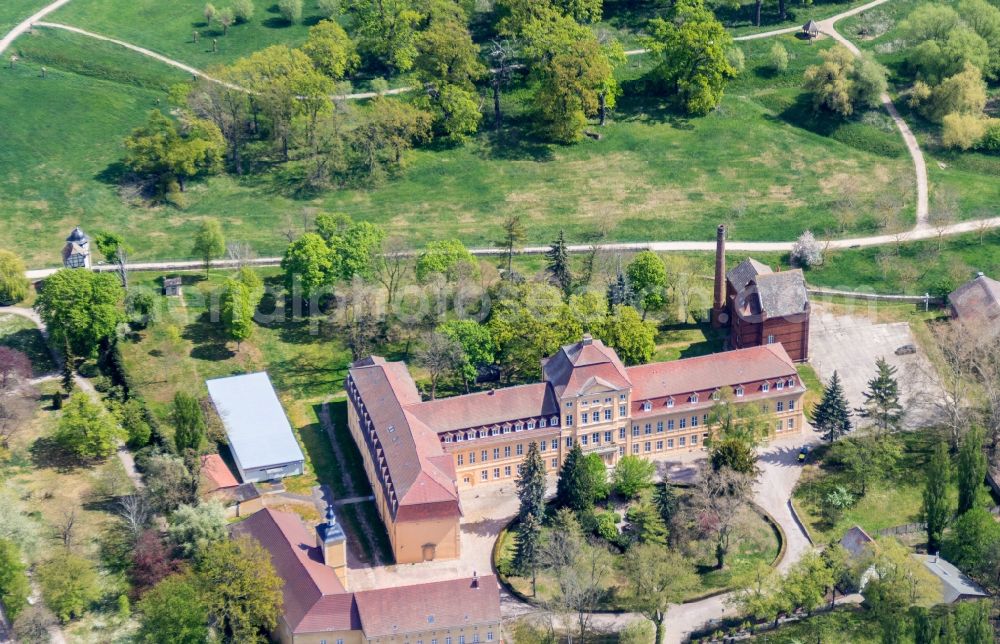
[850,345]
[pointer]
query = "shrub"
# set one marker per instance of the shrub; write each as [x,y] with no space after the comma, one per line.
[13,580]
[963,131]
[807,252]
[737,59]
[329,8]
[141,307]
[991,140]
[86,430]
[69,584]
[291,10]
[606,528]
[32,625]
[777,57]
[194,528]
[243,10]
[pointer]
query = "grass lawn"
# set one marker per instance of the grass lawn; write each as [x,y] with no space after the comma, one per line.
[676,341]
[36,477]
[168,28]
[13,12]
[895,500]
[652,176]
[814,388]
[20,333]
[753,540]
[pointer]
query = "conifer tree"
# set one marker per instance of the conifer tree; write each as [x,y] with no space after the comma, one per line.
[832,416]
[937,507]
[971,470]
[620,292]
[189,423]
[574,489]
[67,369]
[531,493]
[881,404]
[665,500]
[647,525]
[558,264]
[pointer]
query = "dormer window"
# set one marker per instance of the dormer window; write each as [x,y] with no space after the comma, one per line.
[739,391]
[481,433]
[470,435]
[518,427]
[647,406]
[554,421]
[541,422]
[693,398]
[506,429]
[447,439]
[715,395]
[531,424]
[460,437]
[670,402]
[791,382]
[779,385]
[765,387]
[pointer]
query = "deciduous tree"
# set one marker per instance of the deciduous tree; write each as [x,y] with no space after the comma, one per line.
[209,242]
[632,476]
[624,330]
[656,578]
[440,355]
[242,590]
[937,506]
[194,529]
[80,308]
[331,50]
[477,346]
[844,83]
[14,587]
[648,276]
[86,430]
[971,470]
[387,30]
[166,154]
[13,283]
[174,612]
[448,258]
[691,52]
[237,308]
[308,265]
[69,585]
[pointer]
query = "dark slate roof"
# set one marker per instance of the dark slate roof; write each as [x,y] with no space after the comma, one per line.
[745,272]
[172,281]
[77,236]
[811,27]
[856,541]
[977,300]
[782,294]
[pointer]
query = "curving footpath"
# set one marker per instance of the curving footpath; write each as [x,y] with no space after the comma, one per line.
[25,25]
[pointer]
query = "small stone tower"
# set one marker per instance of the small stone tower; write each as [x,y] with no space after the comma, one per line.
[333,544]
[76,252]
[720,317]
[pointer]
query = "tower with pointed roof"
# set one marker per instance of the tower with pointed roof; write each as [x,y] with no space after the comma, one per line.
[76,252]
[333,544]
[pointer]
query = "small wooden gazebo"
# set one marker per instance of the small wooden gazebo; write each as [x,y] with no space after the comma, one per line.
[810,29]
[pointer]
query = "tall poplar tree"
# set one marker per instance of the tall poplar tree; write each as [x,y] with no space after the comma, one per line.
[558,264]
[971,469]
[882,406]
[832,416]
[937,506]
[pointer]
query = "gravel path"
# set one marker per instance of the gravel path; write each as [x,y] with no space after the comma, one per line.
[25,25]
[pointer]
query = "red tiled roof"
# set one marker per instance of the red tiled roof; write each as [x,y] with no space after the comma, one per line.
[410,448]
[216,473]
[315,600]
[424,607]
[729,368]
[487,408]
[577,367]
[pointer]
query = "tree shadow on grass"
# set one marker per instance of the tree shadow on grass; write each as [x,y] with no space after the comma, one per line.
[48,454]
[515,142]
[642,100]
[113,174]
[207,338]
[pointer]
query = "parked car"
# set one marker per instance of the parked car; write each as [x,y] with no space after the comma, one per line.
[905,350]
[803,453]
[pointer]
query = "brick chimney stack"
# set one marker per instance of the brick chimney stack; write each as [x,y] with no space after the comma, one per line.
[719,315]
